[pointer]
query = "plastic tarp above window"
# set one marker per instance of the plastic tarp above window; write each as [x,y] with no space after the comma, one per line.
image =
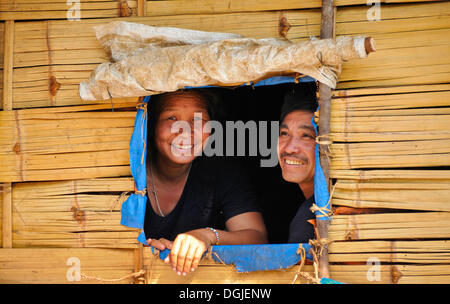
[148,60]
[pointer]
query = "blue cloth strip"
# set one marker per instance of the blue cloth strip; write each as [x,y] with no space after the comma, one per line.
[321,195]
[133,209]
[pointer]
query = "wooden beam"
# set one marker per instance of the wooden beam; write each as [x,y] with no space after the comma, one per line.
[326,31]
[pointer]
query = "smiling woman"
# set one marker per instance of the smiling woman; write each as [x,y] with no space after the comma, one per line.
[190,206]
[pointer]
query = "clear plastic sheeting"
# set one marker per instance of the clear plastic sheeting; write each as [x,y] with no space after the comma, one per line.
[147,60]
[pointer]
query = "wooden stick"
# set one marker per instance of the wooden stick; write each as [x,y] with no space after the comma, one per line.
[327,31]
[8,61]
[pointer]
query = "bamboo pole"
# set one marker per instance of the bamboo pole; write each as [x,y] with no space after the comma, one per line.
[326,31]
[7,106]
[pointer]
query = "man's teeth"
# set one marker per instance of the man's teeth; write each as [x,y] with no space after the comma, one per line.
[293,162]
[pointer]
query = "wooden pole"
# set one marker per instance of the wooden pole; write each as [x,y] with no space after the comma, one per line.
[7,106]
[326,32]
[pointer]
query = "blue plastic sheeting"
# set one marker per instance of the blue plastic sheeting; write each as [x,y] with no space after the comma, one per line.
[321,195]
[267,82]
[329,281]
[248,258]
[282,79]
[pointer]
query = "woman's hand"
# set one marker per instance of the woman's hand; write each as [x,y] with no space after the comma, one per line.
[188,248]
[160,244]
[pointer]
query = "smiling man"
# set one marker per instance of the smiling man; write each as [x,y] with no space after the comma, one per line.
[296,145]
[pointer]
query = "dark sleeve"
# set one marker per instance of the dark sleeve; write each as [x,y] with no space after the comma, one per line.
[236,192]
[300,231]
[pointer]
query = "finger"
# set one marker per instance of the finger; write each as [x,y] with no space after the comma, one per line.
[158,244]
[197,257]
[184,249]
[174,252]
[190,255]
[167,243]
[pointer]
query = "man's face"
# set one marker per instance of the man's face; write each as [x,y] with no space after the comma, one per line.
[296,145]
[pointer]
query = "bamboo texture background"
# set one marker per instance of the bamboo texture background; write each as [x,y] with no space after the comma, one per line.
[66,162]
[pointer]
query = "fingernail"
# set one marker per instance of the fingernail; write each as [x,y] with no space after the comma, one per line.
[178,273]
[184,273]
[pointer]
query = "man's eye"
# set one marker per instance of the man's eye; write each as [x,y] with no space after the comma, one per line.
[283,133]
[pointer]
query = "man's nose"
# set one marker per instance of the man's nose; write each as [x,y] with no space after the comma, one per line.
[293,146]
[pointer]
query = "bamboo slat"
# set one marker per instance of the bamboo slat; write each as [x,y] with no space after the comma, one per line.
[427,153]
[57,9]
[50,266]
[8,63]
[65,53]
[390,226]
[181,7]
[61,9]
[416,195]
[409,252]
[2,187]
[442,246]
[57,265]
[77,213]
[37,146]
[401,274]
[395,175]
[391,90]
[404,34]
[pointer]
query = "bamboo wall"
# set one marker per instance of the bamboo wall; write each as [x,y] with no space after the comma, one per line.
[64,163]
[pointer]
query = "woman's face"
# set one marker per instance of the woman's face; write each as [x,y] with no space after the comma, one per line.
[179,134]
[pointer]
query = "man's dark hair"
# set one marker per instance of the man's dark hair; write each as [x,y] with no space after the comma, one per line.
[299,98]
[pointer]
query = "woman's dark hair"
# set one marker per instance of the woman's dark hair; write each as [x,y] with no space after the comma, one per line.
[299,98]
[155,105]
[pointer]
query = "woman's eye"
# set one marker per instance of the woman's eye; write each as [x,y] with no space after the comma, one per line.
[171,118]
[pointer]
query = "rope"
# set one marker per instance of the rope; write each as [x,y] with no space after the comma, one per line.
[320,244]
[303,274]
[135,275]
[142,192]
[324,142]
[326,212]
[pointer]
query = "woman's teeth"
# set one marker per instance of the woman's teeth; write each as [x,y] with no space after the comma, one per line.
[182,147]
[293,162]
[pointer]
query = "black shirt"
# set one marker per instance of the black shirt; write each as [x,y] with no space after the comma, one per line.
[285,208]
[300,231]
[216,190]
